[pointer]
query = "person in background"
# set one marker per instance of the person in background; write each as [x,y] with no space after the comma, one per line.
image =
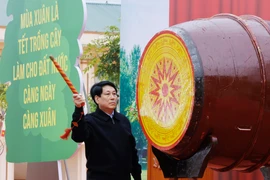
[110,147]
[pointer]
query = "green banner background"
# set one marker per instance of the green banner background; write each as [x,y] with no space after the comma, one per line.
[39,101]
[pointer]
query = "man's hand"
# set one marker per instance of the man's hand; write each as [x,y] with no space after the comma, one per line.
[78,100]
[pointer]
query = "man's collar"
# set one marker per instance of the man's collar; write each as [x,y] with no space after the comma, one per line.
[104,116]
[111,115]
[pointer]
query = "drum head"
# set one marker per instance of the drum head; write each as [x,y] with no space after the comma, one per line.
[165,90]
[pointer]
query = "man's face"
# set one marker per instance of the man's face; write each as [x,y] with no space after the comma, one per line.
[107,102]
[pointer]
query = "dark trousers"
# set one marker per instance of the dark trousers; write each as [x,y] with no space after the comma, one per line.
[106,176]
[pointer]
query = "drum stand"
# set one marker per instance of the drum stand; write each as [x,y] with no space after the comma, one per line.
[192,167]
[265,172]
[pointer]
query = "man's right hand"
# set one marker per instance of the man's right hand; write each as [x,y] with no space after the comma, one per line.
[78,100]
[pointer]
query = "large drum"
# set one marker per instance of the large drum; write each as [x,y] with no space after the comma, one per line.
[209,77]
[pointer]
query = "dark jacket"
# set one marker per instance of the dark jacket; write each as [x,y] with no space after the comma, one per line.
[109,145]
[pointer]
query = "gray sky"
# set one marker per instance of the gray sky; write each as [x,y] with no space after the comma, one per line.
[141,20]
[104,1]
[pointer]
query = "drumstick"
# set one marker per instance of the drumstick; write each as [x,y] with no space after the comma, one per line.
[74,91]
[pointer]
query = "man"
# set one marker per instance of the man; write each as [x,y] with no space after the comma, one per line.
[109,144]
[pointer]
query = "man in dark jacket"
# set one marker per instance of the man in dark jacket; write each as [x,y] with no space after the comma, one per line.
[109,144]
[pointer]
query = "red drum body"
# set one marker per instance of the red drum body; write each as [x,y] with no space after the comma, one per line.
[209,77]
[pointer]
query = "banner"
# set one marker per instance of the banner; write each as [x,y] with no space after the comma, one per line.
[140,21]
[40,103]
